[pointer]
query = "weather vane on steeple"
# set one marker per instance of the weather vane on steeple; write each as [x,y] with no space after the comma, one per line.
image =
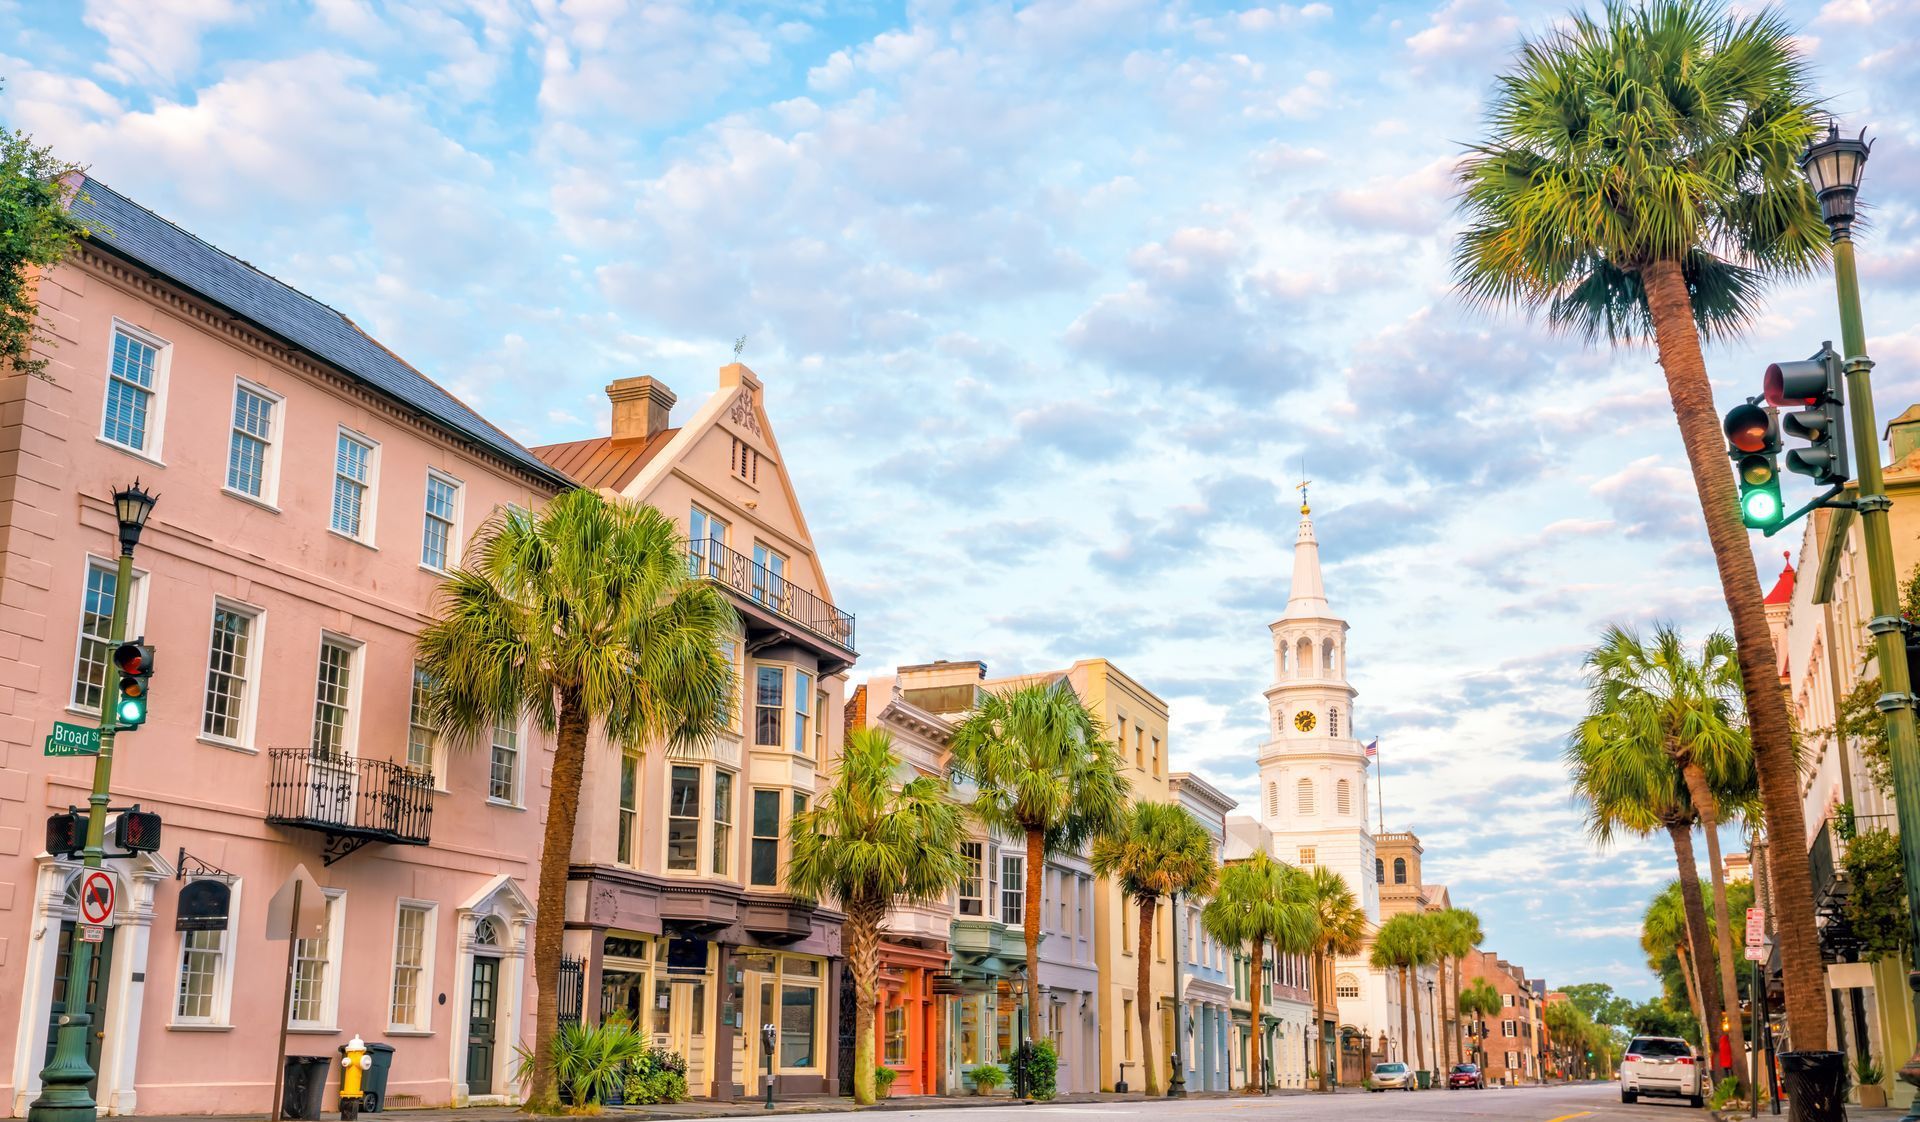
[1302,486]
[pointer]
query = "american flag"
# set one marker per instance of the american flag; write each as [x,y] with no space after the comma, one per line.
[1373,747]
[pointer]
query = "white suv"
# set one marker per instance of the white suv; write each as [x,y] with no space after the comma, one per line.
[1661,1065]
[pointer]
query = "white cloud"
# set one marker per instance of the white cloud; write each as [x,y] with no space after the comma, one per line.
[155,42]
[1480,31]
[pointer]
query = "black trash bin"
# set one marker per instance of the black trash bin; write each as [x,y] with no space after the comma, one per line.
[1816,1086]
[305,1085]
[373,1081]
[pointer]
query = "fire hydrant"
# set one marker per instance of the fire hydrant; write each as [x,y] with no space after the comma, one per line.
[356,1061]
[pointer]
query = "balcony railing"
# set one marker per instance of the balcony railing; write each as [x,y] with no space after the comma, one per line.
[350,800]
[771,590]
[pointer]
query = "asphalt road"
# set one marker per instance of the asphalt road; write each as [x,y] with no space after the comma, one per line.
[1599,1102]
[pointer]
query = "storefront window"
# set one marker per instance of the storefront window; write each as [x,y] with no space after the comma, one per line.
[790,988]
[896,1036]
[1003,1036]
[972,1010]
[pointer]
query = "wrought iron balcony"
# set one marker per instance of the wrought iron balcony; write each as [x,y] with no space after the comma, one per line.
[351,801]
[762,586]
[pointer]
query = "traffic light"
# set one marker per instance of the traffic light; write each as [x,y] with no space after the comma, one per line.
[1753,444]
[134,661]
[1814,387]
[66,833]
[137,831]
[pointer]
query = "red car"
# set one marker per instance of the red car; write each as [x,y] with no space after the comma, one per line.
[1466,1075]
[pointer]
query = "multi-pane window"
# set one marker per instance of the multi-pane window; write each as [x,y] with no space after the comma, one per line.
[312,975]
[332,697]
[421,735]
[96,628]
[409,966]
[820,725]
[352,480]
[130,392]
[683,820]
[1308,857]
[202,966]
[706,543]
[769,703]
[1013,888]
[722,858]
[249,447]
[895,1033]
[730,650]
[436,541]
[972,853]
[802,710]
[503,778]
[629,805]
[1347,986]
[229,668]
[769,576]
[764,862]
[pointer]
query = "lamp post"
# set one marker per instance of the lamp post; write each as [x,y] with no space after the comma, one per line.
[1177,1083]
[63,1082]
[1835,166]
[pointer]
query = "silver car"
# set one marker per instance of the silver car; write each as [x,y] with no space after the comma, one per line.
[1391,1077]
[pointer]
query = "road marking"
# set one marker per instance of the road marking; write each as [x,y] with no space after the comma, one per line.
[1565,1117]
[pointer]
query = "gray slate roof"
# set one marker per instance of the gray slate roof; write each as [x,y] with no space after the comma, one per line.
[126,229]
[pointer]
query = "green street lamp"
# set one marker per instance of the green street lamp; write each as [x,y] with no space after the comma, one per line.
[64,1096]
[1834,166]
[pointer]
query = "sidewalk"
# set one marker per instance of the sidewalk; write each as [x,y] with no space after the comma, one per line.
[1854,1114]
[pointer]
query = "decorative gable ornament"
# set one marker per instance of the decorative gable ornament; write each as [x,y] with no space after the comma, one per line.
[743,413]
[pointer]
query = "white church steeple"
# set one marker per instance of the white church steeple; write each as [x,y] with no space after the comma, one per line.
[1307,598]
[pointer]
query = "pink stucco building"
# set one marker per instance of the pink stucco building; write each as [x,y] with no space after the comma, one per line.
[312,487]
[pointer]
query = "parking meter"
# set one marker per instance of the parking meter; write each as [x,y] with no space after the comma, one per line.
[766,1049]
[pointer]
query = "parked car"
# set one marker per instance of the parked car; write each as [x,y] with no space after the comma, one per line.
[1467,1075]
[1391,1077]
[1664,1066]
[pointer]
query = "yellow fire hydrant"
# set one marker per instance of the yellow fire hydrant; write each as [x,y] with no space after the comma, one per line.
[356,1062]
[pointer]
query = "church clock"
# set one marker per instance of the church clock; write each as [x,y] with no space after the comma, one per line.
[1303,720]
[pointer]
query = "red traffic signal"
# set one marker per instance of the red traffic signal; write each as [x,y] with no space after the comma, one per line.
[1748,428]
[137,831]
[66,833]
[1796,383]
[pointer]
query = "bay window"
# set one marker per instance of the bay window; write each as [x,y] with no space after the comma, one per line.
[764,864]
[722,864]
[971,886]
[802,710]
[788,709]
[699,819]
[769,701]
[1013,888]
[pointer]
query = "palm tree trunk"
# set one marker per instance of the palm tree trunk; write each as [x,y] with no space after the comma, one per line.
[1709,810]
[1030,925]
[1671,310]
[1697,935]
[1693,994]
[1402,971]
[549,921]
[1143,993]
[1419,1038]
[862,943]
[1319,996]
[1255,1035]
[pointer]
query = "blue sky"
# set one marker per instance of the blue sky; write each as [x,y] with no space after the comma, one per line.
[1052,302]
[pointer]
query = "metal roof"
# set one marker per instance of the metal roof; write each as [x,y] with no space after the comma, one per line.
[128,230]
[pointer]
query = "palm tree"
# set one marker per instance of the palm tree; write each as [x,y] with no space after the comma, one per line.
[1664,930]
[1654,715]
[1456,934]
[1639,180]
[1340,926]
[1260,901]
[1045,772]
[1158,849]
[1479,1001]
[871,842]
[580,615]
[1406,943]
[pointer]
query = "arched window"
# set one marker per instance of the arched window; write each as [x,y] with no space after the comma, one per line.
[1273,800]
[1326,654]
[487,933]
[1379,871]
[1285,659]
[1333,721]
[1305,654]
[1303,793]
[1346,985]
[1399,870]
[1343,797]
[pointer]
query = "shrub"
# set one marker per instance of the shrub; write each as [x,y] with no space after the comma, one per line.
[1877,906]
[1727,1091]
[1036,1066]
[1865,1071]
[656,1076]
[986,1077]
[883,1077]
[590,1062]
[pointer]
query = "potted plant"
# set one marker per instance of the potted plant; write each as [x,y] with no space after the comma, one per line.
[883,1077]
[987,1078]
[1866,1076]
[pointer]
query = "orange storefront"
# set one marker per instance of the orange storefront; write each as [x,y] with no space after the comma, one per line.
[906,1022]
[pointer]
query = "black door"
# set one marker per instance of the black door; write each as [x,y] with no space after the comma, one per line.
[96,998]
[480,1017]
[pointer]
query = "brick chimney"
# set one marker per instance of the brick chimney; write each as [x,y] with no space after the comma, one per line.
[640,407]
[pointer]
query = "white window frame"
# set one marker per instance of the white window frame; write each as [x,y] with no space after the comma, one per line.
[704,823]
[329,1021]
[369,499]
[801,686]
[437,755]
[269,495]
[356,683]
[518,727]
[1018,890]
[250,674]
[136,625]
[222,1015]
[452,558]
[781,727]
[977,878]
[627,811]
[711,562]
[423,990]
[156,408]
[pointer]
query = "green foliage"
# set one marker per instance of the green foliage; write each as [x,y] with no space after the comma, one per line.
[1726,1091]
[1479,999]
[883,1077]
[872,840]
[1655,1017]
[1041,761]
[1877,903]
[1406,942]
[657,1076]
[1037,1066]
[1598,1001]
[1861,723]
[36,231]
[987,1077]
[1865,1072]
[590,1062]
[1665,132]
[1260,900]
[1157,850]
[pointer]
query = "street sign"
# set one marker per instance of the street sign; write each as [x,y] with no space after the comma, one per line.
[91,933]
[1757,952]
[298,909]
[73,740]
[1756,927]
[96,898]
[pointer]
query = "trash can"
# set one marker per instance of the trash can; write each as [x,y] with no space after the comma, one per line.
[1425,1079]
[373,1082]
[304,1087]
[1816,1086]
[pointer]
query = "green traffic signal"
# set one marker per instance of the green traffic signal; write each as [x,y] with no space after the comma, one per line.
[1753,438]
[134,661]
